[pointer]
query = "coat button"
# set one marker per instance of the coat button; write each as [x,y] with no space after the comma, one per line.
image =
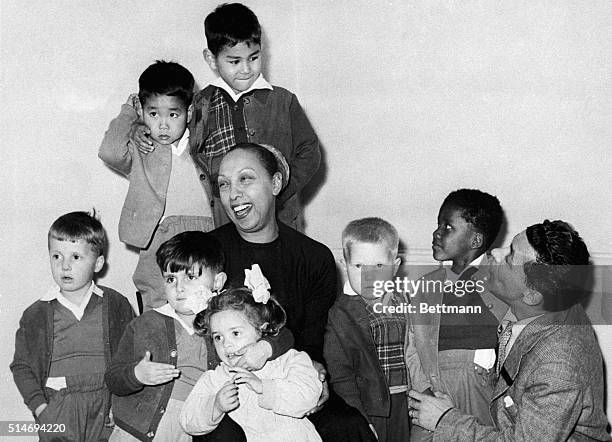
[490,306]
[251,132]
[202,176]
[162,411]
[150,434]
[173,353]
[247,100]
[235,107]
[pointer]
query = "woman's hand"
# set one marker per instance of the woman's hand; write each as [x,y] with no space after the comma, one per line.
[254,356]
[325,393]
[244,376]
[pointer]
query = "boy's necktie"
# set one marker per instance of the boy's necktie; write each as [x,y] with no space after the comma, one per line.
[504,338]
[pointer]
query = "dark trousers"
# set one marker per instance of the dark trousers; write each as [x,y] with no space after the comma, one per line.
[335,422]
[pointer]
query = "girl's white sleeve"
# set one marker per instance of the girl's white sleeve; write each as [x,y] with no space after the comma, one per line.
[294,388]
[196,415]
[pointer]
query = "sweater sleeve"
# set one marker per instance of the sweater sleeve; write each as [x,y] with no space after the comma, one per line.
[23,373]
[307,155]
[197,413]
[337,356]
[120,377]
[280,343]
[419,381]
[116,150]
[296,391]
[318,300]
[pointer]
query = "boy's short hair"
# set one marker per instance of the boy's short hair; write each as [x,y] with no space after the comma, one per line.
[561,266]
[76,226]
[480,209]
[166,78]
[183,251]
[370,230]
[230,24]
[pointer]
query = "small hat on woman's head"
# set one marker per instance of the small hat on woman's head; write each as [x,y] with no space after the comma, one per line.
[283,166]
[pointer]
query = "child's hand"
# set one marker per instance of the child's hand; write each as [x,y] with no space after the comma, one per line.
[254,356]
[139,136]
[154,373]
[134,101]
[139,132]
[226,399]
[244,376]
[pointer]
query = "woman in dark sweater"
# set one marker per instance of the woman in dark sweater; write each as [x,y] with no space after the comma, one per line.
[301,271]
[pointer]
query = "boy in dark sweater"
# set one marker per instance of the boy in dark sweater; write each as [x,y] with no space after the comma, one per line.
[66,339]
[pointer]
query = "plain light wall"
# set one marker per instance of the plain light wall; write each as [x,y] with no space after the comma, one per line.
[410,100]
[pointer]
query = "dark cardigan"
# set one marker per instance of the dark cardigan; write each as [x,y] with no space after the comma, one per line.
[34,343]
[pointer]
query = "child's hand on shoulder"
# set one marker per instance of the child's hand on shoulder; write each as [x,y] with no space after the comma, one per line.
[226,399]
[244,376]
[134,101]
[154,373]
[139,132]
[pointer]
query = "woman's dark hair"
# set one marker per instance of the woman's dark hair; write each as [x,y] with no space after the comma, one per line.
[269,318]
[267,158]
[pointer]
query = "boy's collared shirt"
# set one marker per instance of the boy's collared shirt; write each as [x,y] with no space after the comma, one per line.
[260,83]
[452,276]
[167,310]
[179,148]
[77,310]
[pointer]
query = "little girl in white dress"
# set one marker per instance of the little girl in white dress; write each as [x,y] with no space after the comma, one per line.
[269,404]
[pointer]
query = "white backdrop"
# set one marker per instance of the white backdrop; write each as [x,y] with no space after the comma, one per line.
[411,100]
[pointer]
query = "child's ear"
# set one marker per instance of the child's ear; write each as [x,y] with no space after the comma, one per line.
[210,59]
[263,327]
[477,240]
[342,262]
[396,263]
[277,183]
[189,113]
[219,281]
[99,263]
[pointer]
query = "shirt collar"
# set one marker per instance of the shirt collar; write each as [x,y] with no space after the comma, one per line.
[54,292]
[517,327]
[450,275]
[179,148]
[260,83]
[77,310]
[348,290]
[167,310]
